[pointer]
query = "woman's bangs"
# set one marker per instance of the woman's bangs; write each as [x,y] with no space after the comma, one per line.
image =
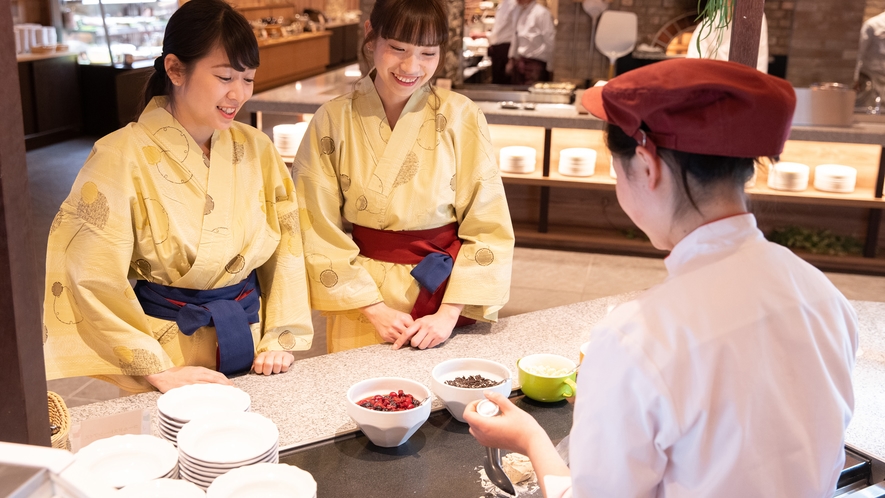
[421,29]
[240,45]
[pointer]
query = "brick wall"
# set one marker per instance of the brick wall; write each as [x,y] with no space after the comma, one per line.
[873,8]
[823,46]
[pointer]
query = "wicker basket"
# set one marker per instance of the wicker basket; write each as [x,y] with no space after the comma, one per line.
[60,417]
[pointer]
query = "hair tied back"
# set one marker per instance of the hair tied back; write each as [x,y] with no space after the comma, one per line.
[160,64]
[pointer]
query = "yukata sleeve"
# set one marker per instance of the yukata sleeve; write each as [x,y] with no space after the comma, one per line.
[287,319]
[93,323]
[480,278]
[337,281]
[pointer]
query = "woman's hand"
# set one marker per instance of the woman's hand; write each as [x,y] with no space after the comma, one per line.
[516,430]
[389,323]
[513,430]
[183,376]
[431,330]
[272,362]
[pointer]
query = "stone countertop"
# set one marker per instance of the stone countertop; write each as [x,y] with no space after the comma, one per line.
[308,402]
[308,95]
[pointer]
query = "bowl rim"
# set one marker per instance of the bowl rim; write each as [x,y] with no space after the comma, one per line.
[521,370]
[434,376]
[428,392]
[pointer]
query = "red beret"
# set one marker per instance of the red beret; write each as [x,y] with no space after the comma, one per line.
[699,105]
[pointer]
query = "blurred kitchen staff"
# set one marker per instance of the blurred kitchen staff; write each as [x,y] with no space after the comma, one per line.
[733,377]
[200,211]
[500,39]
[715,43]
[531,51]
[871,63]
[413,169]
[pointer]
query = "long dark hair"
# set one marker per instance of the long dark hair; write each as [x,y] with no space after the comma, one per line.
[424,23]
[193,31]
[704,170]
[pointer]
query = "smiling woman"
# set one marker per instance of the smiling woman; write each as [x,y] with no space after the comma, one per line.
[200,210]
[412,168]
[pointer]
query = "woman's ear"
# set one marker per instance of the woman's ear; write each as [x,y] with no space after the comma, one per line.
[174,69]
[368,35]
[651,166]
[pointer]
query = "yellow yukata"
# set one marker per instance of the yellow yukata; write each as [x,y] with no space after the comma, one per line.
[149,205]
[437,166]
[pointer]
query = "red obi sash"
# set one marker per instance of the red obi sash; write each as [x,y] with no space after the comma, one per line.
[410,247]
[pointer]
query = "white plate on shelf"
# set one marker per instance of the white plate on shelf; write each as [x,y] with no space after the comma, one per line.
[122,460]
[162,488]
[186,403]
[235,437]
[266,481]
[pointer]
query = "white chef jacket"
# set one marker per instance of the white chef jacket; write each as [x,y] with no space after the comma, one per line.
[871,50]
[505,24]
[534,34]
[710,50]
[732,378]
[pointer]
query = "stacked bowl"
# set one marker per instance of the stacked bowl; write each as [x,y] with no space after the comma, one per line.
[179,406]
[287,138]
[835,178]
[265,480]
[119,461]
[577,161]
[788,176]
[518,159]
[212,445]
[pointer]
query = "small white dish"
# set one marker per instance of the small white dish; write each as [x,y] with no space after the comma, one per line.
[126,459]
[457,398]
[388,429]
[264,480]
[235,437]
[193,463]
[577,162]
[186,403]
[162,488]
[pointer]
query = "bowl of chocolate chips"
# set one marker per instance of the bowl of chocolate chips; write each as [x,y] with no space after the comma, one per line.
[459,381]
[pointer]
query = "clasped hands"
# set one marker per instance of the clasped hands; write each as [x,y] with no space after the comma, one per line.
[399,328]
[267,363]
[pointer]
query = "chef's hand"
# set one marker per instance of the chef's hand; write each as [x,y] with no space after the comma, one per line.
[272,362]
[508,68]
[512,430]
[516,430]
[431,330]
[183,376]
[389,323]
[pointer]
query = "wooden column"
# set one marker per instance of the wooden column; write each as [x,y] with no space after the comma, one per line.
[745,32]
[24,416]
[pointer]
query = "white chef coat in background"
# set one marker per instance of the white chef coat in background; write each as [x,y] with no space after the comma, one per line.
[505,24]
[712,48]
[871,52]
[732,378]
[534,35]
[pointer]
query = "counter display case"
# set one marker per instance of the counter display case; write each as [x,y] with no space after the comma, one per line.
[115,31]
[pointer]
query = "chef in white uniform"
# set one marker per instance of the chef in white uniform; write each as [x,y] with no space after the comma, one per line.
[531,51]
[871,62]
[732,378]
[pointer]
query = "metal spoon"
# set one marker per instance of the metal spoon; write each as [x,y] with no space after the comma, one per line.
[493,455]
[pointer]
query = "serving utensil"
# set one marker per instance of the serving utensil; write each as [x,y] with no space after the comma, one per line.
[494,471]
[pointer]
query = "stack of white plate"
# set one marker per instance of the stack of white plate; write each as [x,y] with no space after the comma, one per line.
[788,176]
[118,461]
[518,159]
[577,162]
[265,480]
[181,405]
[835,178]
[212,445]
[162,488]
[287,138]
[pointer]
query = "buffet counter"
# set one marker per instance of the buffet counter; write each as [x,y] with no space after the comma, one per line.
[308,402]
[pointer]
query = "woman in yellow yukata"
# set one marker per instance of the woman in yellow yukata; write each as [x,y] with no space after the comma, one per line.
[195,207]
[413,169]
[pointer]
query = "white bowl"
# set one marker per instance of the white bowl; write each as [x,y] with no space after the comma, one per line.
[388,429]
[162,488]
[457,398]
[265,480]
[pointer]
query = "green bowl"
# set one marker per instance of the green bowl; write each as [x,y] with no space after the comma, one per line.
[547,386]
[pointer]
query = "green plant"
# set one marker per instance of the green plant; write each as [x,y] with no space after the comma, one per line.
[816,241]
[714,17]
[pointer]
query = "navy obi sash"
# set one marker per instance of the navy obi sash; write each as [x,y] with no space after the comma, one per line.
[230,309]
